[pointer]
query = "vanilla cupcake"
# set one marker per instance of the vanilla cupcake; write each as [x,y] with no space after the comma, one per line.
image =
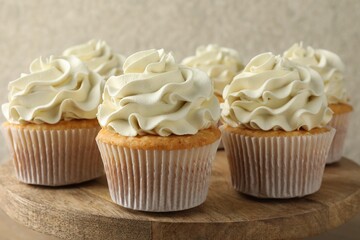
[275,115]
[221,64]
[331,69]
[98,57]
[158,134]
[51,122]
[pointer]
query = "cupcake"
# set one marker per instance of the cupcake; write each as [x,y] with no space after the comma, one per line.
[331,69]
[221,64]
[98,57]
[275,136]
[158,134]
[51,122]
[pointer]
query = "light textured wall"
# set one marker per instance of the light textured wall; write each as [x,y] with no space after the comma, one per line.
[33,28]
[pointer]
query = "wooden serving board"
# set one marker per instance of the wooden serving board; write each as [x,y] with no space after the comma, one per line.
[85,211]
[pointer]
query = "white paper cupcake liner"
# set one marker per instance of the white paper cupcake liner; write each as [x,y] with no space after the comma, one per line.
[158,180]
[221,145]
[341,123]
[277,167]
[54,157]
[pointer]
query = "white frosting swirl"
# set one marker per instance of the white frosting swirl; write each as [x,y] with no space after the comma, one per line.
[98,57]
[157,96]
[327,64]
[221,64]
[273,93]
[56,89]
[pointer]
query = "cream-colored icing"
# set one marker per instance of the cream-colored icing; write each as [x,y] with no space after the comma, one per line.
[273,93]
[157,96]
[59,88]
[99,57]
[221,64]
[327,64]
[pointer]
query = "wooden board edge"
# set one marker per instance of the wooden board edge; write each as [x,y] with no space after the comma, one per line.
[347,209]
[50,221]
[289,227]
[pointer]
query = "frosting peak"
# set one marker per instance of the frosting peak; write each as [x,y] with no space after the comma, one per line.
[55,89]
[327,64]
[98,57]
[150,61]
[157,96]
[274,93]
[221,64]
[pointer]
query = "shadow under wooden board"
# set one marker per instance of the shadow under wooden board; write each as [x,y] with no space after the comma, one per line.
[85,211]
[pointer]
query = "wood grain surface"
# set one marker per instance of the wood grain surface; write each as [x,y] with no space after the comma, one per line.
[86,211]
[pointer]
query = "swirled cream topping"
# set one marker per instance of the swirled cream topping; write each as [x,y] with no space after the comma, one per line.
[56,89]
[273,93]
[327,64]
[98,56]
[221,64]
[157,96]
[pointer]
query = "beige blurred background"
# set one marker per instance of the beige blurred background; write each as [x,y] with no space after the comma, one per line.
[34,28]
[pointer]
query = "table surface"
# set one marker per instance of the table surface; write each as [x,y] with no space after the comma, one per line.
[86,210]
